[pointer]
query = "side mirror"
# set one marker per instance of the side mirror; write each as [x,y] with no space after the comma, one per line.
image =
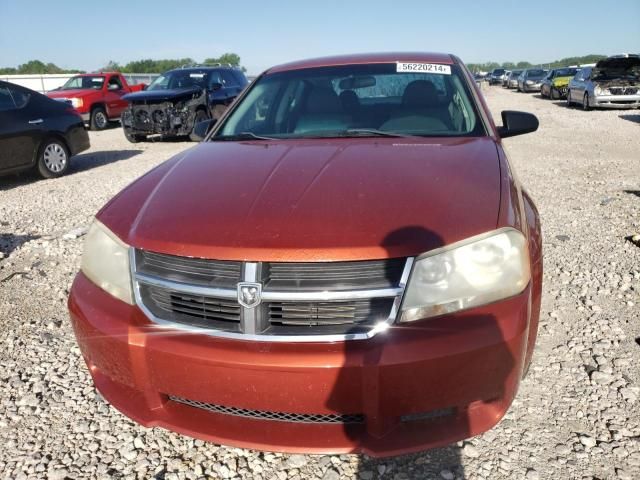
[216,86]
[201,129]
[517,123]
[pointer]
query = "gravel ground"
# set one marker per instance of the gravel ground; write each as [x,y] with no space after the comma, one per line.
[576,415]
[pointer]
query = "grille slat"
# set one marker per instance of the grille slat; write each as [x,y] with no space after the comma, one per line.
[308,314]
[333,275]
[196,271]
[339,418]
[192,310]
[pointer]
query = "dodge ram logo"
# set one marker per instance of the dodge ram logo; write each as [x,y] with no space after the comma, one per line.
[249,294]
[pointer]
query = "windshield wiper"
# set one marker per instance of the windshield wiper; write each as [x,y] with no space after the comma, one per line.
[365,132]
[241,136]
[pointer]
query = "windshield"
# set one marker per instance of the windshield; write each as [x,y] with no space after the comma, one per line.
[536,73]
[355,100]
[565,72]
[179,79]
[84,82]
[498,71]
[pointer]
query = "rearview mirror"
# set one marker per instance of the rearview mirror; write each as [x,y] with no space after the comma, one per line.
[517,123]
[201,129]
[351,83]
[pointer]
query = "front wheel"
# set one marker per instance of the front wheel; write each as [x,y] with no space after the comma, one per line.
[99,119]
[133,138]
[568,98]
[201,116]
[53,158]
[585,103]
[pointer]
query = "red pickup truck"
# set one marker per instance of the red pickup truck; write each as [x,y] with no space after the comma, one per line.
[97,96]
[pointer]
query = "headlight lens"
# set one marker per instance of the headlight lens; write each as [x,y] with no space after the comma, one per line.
[105,261]
[474,273]
[76,102]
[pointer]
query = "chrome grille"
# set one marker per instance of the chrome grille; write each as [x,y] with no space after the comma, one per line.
[339,418]
[623,90]
[314,302]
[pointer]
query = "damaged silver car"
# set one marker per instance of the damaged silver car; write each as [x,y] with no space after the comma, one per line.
[613,83]
[177,100]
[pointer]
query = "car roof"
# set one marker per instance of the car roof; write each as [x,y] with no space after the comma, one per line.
[365,58]
[202,68]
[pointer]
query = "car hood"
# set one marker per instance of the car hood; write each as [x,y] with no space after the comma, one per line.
[562,81]
[74,92]
[325,200]
[618,63]
[163,95]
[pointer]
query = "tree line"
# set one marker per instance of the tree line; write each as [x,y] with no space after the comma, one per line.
[158,66]
[136,66]
[563,62]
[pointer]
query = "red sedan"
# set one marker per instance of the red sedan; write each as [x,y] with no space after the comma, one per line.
[346,263]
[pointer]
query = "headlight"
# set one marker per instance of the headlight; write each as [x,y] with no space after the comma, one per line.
[474,272]
[529,82]
[76,102]
[105,261]
[601,91]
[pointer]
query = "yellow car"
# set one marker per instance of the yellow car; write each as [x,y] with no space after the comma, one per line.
[555,84]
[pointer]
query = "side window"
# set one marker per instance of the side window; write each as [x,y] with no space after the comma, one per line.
[228,80]
[214,77]
[115,83]
[13,98]
[6,100]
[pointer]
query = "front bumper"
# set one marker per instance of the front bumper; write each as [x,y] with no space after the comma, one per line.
[534,87]
[615,101]
[418,386]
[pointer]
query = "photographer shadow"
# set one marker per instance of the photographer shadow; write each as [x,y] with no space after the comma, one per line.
[405,392]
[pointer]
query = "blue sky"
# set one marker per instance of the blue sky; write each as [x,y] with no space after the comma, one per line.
[87,34]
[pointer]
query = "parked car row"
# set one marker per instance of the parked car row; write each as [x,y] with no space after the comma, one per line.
[611,83]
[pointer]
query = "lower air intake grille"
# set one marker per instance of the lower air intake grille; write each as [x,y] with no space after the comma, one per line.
[274,416]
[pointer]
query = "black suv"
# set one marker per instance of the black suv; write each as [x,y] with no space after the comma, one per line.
[178,99]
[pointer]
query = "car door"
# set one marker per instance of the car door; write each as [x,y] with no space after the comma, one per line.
[231,85]
[217,93]
[21,126]
[578,86]
[113,93]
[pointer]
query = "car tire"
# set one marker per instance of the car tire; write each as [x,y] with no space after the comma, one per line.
[133,138]
[569,105]
[53,158]
[201,116]
[585,102]
[99,119]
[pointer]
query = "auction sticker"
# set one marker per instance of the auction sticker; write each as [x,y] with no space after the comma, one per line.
[407,67]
